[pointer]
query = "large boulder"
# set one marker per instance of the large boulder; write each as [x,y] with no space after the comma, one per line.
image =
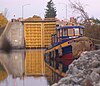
[80,45]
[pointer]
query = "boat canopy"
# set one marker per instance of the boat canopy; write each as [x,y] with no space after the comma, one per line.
[64,27]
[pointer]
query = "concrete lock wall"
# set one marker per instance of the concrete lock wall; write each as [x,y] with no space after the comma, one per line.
[14,34]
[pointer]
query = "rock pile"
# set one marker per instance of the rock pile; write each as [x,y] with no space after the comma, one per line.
[85,71]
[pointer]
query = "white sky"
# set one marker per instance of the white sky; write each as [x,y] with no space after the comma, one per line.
[37,7]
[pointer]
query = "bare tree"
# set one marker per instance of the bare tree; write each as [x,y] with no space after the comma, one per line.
[78,7]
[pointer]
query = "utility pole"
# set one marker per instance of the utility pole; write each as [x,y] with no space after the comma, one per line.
[23,10]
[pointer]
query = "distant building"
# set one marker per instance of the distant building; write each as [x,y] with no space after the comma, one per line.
[72,21]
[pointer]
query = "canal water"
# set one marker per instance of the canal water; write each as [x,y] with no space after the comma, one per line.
[25,68]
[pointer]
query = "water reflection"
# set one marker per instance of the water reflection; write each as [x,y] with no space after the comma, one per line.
[13,62]
[26,68]
[27,81]
[34,62]
[3,73]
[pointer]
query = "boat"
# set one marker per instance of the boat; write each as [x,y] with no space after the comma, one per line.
[59,55]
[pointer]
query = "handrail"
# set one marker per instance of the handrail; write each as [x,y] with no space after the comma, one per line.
[96,43]
[95,39]
[5,28]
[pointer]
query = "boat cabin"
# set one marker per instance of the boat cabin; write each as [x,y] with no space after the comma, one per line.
[67,32]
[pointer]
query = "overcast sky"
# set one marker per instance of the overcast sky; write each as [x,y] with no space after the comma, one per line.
[37,7]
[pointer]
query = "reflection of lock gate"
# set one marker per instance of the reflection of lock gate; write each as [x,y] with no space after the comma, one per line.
[34,62]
